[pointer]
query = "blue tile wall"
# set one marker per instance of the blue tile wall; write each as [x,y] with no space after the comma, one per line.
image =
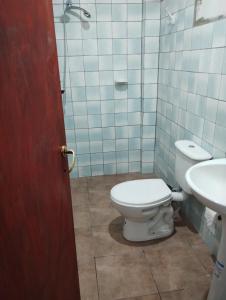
[108,123]
[150,62]
[191,93]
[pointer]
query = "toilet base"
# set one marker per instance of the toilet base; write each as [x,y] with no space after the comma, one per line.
[140,232]
[146,231]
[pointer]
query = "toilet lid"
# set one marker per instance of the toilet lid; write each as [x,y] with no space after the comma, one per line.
[140,192]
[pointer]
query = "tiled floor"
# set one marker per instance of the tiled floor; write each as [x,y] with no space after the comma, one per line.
[176,268]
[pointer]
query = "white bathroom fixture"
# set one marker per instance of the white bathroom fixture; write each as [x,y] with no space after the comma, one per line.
[146,203]
[146,206]
[207,181]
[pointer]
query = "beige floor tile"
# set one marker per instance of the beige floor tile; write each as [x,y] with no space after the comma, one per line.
[81,217]
[88,282]
[180,265]
[100,187]
[109,241]
[196,245]
[170,243]
[96,179]
[84,246]
[79,180]
[188,234]
[174,295]
[197,290]
[173,268]
[80,199]
[148,297]
[111,180]
[103,216]
[124,276]
[97,183]
[79,184]
[99,198]
[203,254]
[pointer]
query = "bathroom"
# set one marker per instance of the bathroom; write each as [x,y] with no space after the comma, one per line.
[113,149]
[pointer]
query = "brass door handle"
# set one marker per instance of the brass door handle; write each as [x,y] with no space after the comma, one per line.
[65,151]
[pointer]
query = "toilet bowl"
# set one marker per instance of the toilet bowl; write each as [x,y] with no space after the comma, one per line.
[145,204]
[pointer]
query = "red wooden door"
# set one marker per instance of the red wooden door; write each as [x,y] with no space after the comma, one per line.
[37,246]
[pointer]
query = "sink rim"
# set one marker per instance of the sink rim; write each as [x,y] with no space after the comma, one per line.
[202,196]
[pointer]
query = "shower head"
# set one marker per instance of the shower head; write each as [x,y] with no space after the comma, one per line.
[70,6]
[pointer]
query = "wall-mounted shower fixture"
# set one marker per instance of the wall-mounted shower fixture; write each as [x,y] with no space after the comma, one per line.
[70,6]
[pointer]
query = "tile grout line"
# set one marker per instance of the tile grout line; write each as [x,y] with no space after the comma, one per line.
[152,274]
[98,290]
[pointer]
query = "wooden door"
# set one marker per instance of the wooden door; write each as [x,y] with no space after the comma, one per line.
[37,245]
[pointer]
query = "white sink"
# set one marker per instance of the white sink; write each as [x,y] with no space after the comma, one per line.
[207,181]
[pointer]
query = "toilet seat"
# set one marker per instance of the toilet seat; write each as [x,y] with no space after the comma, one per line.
[141,193]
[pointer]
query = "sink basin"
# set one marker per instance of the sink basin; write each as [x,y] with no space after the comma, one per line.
[207,181]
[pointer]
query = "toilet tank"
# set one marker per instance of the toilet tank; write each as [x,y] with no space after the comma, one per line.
[188,154]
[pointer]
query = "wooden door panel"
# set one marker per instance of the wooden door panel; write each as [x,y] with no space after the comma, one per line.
[37,246]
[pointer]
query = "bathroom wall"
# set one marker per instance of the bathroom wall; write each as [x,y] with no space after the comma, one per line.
[191,95]
[150,61]
[111,126]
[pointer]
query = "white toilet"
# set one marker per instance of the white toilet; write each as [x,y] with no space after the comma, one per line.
[146,203]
